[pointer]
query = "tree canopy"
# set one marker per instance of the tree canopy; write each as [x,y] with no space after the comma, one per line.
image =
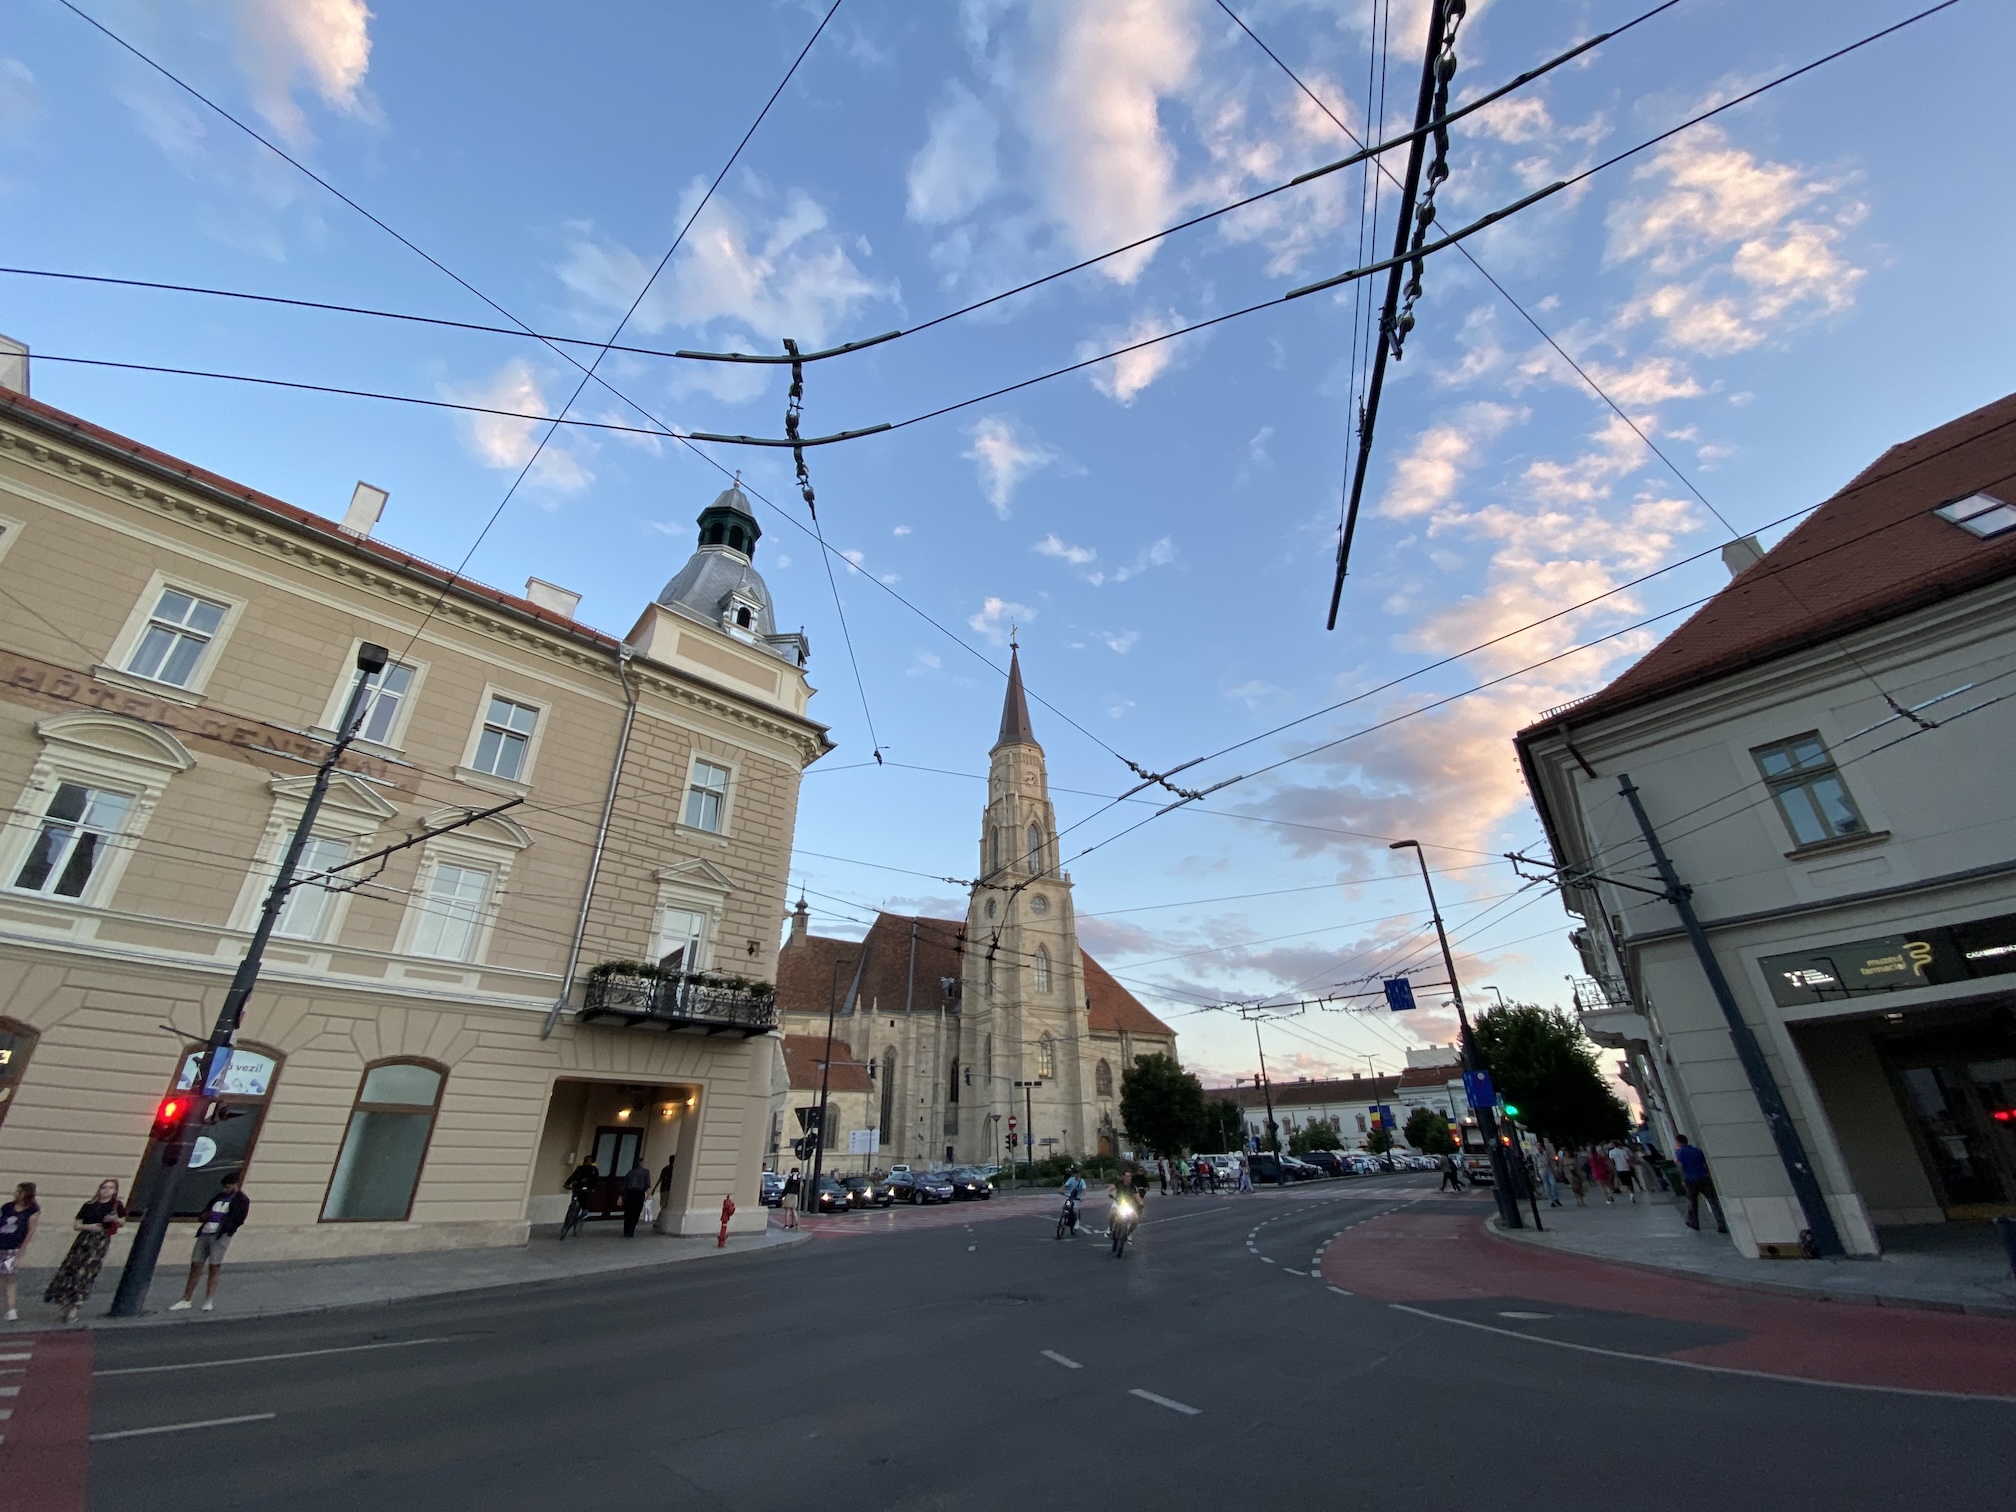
[1428,1132]
[1380,1140]
[1224,1127]
[1162,1104]
[1544,1065]
[1317,1134]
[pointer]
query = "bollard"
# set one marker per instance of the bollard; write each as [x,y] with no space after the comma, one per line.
[727,1212]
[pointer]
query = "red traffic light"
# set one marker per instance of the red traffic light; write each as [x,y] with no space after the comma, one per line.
[168,1121]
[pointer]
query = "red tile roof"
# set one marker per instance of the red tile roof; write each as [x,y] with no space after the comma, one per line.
[1114,1009]
[1872,552]
[803,1055]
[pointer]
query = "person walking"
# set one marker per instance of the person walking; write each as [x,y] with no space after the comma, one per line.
[18,1221]
[1162,1174]
[787,1200]
[1601,1174]
[1245,1175]
[1694,1172]
[1620,1163]
[636,1187]
[96,1222]
[1578,1179]
[1549,1179]
[665,1183]
[1452,1179]
[223,1216]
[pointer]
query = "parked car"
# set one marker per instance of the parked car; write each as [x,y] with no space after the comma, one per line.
[1266,1168]
[1368,1165]
[919,1187]
[1329,1162]
[1298,1169]
[969,1185]
[897,1172]
[1227,1167]
[867,1192]
[832,1197]
[772,1194]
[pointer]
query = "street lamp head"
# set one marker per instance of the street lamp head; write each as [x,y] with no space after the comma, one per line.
[371,659]
[1404,844]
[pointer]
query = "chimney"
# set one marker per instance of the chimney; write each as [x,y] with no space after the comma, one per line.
[1741,555]
[801,923]
[561,601]
[13,365]
[367,503]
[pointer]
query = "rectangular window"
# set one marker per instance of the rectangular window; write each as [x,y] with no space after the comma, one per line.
[80,823]
[306,910]
[707,797]
[385,1145]
[506,737]
[680,938]
[1808,790]
[450,912]
[178,632]
[383,704]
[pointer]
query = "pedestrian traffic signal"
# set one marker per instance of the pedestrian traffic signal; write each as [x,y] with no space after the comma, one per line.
[168,1120]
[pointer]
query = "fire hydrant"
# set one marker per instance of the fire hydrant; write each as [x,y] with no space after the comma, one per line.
[727,1212]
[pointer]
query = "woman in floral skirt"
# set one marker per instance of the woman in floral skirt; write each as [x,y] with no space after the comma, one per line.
[97,1221]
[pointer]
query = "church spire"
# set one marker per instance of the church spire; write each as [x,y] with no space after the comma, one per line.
[1015,726]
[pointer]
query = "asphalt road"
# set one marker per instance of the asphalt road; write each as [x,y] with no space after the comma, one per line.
[982,1364]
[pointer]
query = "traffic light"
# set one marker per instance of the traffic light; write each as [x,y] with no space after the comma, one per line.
[1511,1110]
[168,1119]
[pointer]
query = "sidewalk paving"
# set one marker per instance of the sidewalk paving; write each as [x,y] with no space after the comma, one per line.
[1944,1267]
[270,1288]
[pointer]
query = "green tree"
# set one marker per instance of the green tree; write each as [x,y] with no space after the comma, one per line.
[1379,1141]
[1162,1104]
[1317,1134]
[1224,1127]
[1544,1065]
[1428,1132]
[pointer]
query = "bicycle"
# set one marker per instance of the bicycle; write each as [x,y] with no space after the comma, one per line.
[1067,1220]
[575,1213]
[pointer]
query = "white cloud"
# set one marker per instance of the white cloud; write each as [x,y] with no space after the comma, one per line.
[901,530]
[923,663]
[1054,546]
[327,41]
[1120,642]
[499,442]
[997,617]
[955,171]
[1427,475]
[1131,372]
[1157,553]
[855,557]
[1004,454]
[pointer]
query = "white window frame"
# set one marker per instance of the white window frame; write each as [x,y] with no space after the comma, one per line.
[734,771]
[10,532]
[492,845]
[520,785]
[353,812]
[92,749]
[693,887]
[113,668]
[1040,970]
[395,738]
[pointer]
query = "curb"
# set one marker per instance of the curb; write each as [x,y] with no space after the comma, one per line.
[159,1318]
[1769,1288]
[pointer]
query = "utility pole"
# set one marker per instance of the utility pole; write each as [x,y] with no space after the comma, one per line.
[826,1066]
[1029,1123]
[1487,1118]
[1266,1086]
[138,1274]
[1770,1100]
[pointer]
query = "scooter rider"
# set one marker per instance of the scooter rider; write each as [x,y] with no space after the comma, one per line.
[1074,1192]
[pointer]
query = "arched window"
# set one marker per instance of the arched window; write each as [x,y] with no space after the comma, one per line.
[1046,1057]
[1035,849]
[1102,1080]
[243,1086]
[735,537]
[391,1124]
[831,1124]
[888,1093]
[17,1043]
[1041,970]
[952,1082]
[990,1057]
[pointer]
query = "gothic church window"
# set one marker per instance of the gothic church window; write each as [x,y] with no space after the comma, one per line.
[1102,1080]
[1042,969]
[1046,1058]
[952,1082]
[888,1091]
[1035,849]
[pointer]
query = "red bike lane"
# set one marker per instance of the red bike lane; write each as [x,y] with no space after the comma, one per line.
[1445,1264]
[45,1446]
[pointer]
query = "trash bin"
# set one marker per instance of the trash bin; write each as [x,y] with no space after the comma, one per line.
[2006,1227]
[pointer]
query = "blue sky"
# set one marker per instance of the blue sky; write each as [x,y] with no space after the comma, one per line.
[1773,298]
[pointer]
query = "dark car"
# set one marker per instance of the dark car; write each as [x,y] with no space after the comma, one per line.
[920,1187]
[1329,1162]
[832,1198]
[1264,1168]
[969,1185]
[867,1192]
[1299,1169]
[772,1194]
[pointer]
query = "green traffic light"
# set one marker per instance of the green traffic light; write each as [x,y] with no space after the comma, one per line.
[1510,1111]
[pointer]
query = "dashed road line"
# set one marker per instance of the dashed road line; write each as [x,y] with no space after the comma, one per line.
[1068,1364]
[126,1433]
[1170,1402]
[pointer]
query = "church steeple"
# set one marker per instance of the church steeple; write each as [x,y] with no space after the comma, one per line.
[1015,726]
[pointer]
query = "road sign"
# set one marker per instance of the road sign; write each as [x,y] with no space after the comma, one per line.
[809,1119]
[1399,994]
[863,1141]
[1477,1089]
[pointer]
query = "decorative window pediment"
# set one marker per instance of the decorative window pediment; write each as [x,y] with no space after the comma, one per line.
[498,829]
[697,875]
[116,738]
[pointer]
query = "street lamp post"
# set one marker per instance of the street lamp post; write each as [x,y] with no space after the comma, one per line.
[1487,1118]
[1267,1092]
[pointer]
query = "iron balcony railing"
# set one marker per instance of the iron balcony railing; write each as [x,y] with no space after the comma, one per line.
[680,1004]
[1601,994]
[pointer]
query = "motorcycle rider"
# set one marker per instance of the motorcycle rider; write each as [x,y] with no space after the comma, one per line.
[1074,1192]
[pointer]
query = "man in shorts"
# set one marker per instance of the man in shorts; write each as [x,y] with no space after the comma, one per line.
[222,1218]
[18,1221]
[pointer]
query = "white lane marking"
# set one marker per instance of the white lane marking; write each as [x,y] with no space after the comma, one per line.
[125,1433]
[1266,1260]
[298,1354]
[1340,1291]
[6,1391]
[26,1354]
[1161,1401]
[1524,1315]
[1051,1354]
[1289,1270]
[971,1247]
[1755,1375]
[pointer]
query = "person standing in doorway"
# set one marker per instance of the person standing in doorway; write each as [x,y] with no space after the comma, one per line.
[18,1221]
[96,1222]
[787,1200]
[1694,1172]
[636,1187]
[665,1183]
[224,1215]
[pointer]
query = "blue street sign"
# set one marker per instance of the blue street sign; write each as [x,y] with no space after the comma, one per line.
[1399,994]
[1478,1090]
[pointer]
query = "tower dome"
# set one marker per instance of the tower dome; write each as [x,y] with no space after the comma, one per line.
[720,586]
